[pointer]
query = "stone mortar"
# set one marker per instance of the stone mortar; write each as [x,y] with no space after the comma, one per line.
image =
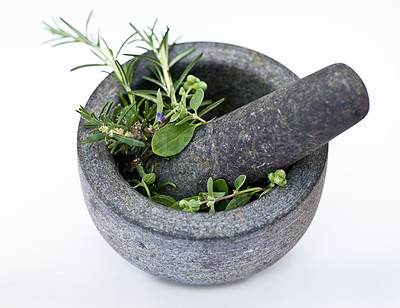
[202,248]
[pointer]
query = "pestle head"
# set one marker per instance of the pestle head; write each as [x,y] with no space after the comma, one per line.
[269,133]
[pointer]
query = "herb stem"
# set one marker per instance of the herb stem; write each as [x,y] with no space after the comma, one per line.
[112,63]
[196,117]
[188,90]
[234,194]
[171,113]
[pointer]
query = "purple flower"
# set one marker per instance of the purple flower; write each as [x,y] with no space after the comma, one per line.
[160,118]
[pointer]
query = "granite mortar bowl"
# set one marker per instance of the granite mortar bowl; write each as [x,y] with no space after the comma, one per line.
[202,248]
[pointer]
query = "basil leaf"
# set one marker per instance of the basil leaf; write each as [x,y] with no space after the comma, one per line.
[172,139]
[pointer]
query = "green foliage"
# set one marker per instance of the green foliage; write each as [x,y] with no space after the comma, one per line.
[196,100]
[172,139]
[150,189]
[217,197]
[115,127]
[148,111]
[191,205]
[239,181]
[220,185]
[277,178]
[163,199]
[238,201]
[159,122]
[98,47]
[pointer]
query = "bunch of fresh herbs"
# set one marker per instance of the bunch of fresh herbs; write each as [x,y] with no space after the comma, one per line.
[155,122]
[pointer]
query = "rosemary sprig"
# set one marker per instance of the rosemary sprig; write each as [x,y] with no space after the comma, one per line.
[98,46]
[171,105]
[118,127]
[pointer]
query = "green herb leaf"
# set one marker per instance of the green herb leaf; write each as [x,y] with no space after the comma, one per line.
[221,186]
[164,185]
[183,100]
[277,178]
[265,192]
[175,206]
[181,55]
[144,185]
[210,187]
[210,107]
[164,200]
[184,120]
[197,99]
[188,204]
[221,189]
[211,204]
[93,138]
[160,102]
[171,139]
[128,140]
[141,171]
[144,94]
[86,65]
[124,112]
[218,194]
[176,115]
[240,181]
[149,178]
[238,201]
[155,81]
[134,182]
[186,71]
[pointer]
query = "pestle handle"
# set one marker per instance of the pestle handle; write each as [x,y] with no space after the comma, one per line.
[269,133]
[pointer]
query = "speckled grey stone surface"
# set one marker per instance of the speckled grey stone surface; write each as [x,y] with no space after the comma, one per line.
[202,248]
[269,133]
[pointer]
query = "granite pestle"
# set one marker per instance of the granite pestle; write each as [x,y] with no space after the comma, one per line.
[269,133]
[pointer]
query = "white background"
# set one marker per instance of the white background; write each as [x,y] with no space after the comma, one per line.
[51,254]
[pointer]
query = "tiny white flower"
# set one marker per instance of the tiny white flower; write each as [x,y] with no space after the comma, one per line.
[129,134]
[103,129]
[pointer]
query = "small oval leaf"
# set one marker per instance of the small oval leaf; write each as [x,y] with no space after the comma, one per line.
[172,139]
[238,201]
[164,200]
[210,187]
[197,99]
[240,181]
[221,185]
[160,102]
[175,116]
[149,178]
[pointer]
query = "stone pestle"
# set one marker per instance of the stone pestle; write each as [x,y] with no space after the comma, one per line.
[269,133]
